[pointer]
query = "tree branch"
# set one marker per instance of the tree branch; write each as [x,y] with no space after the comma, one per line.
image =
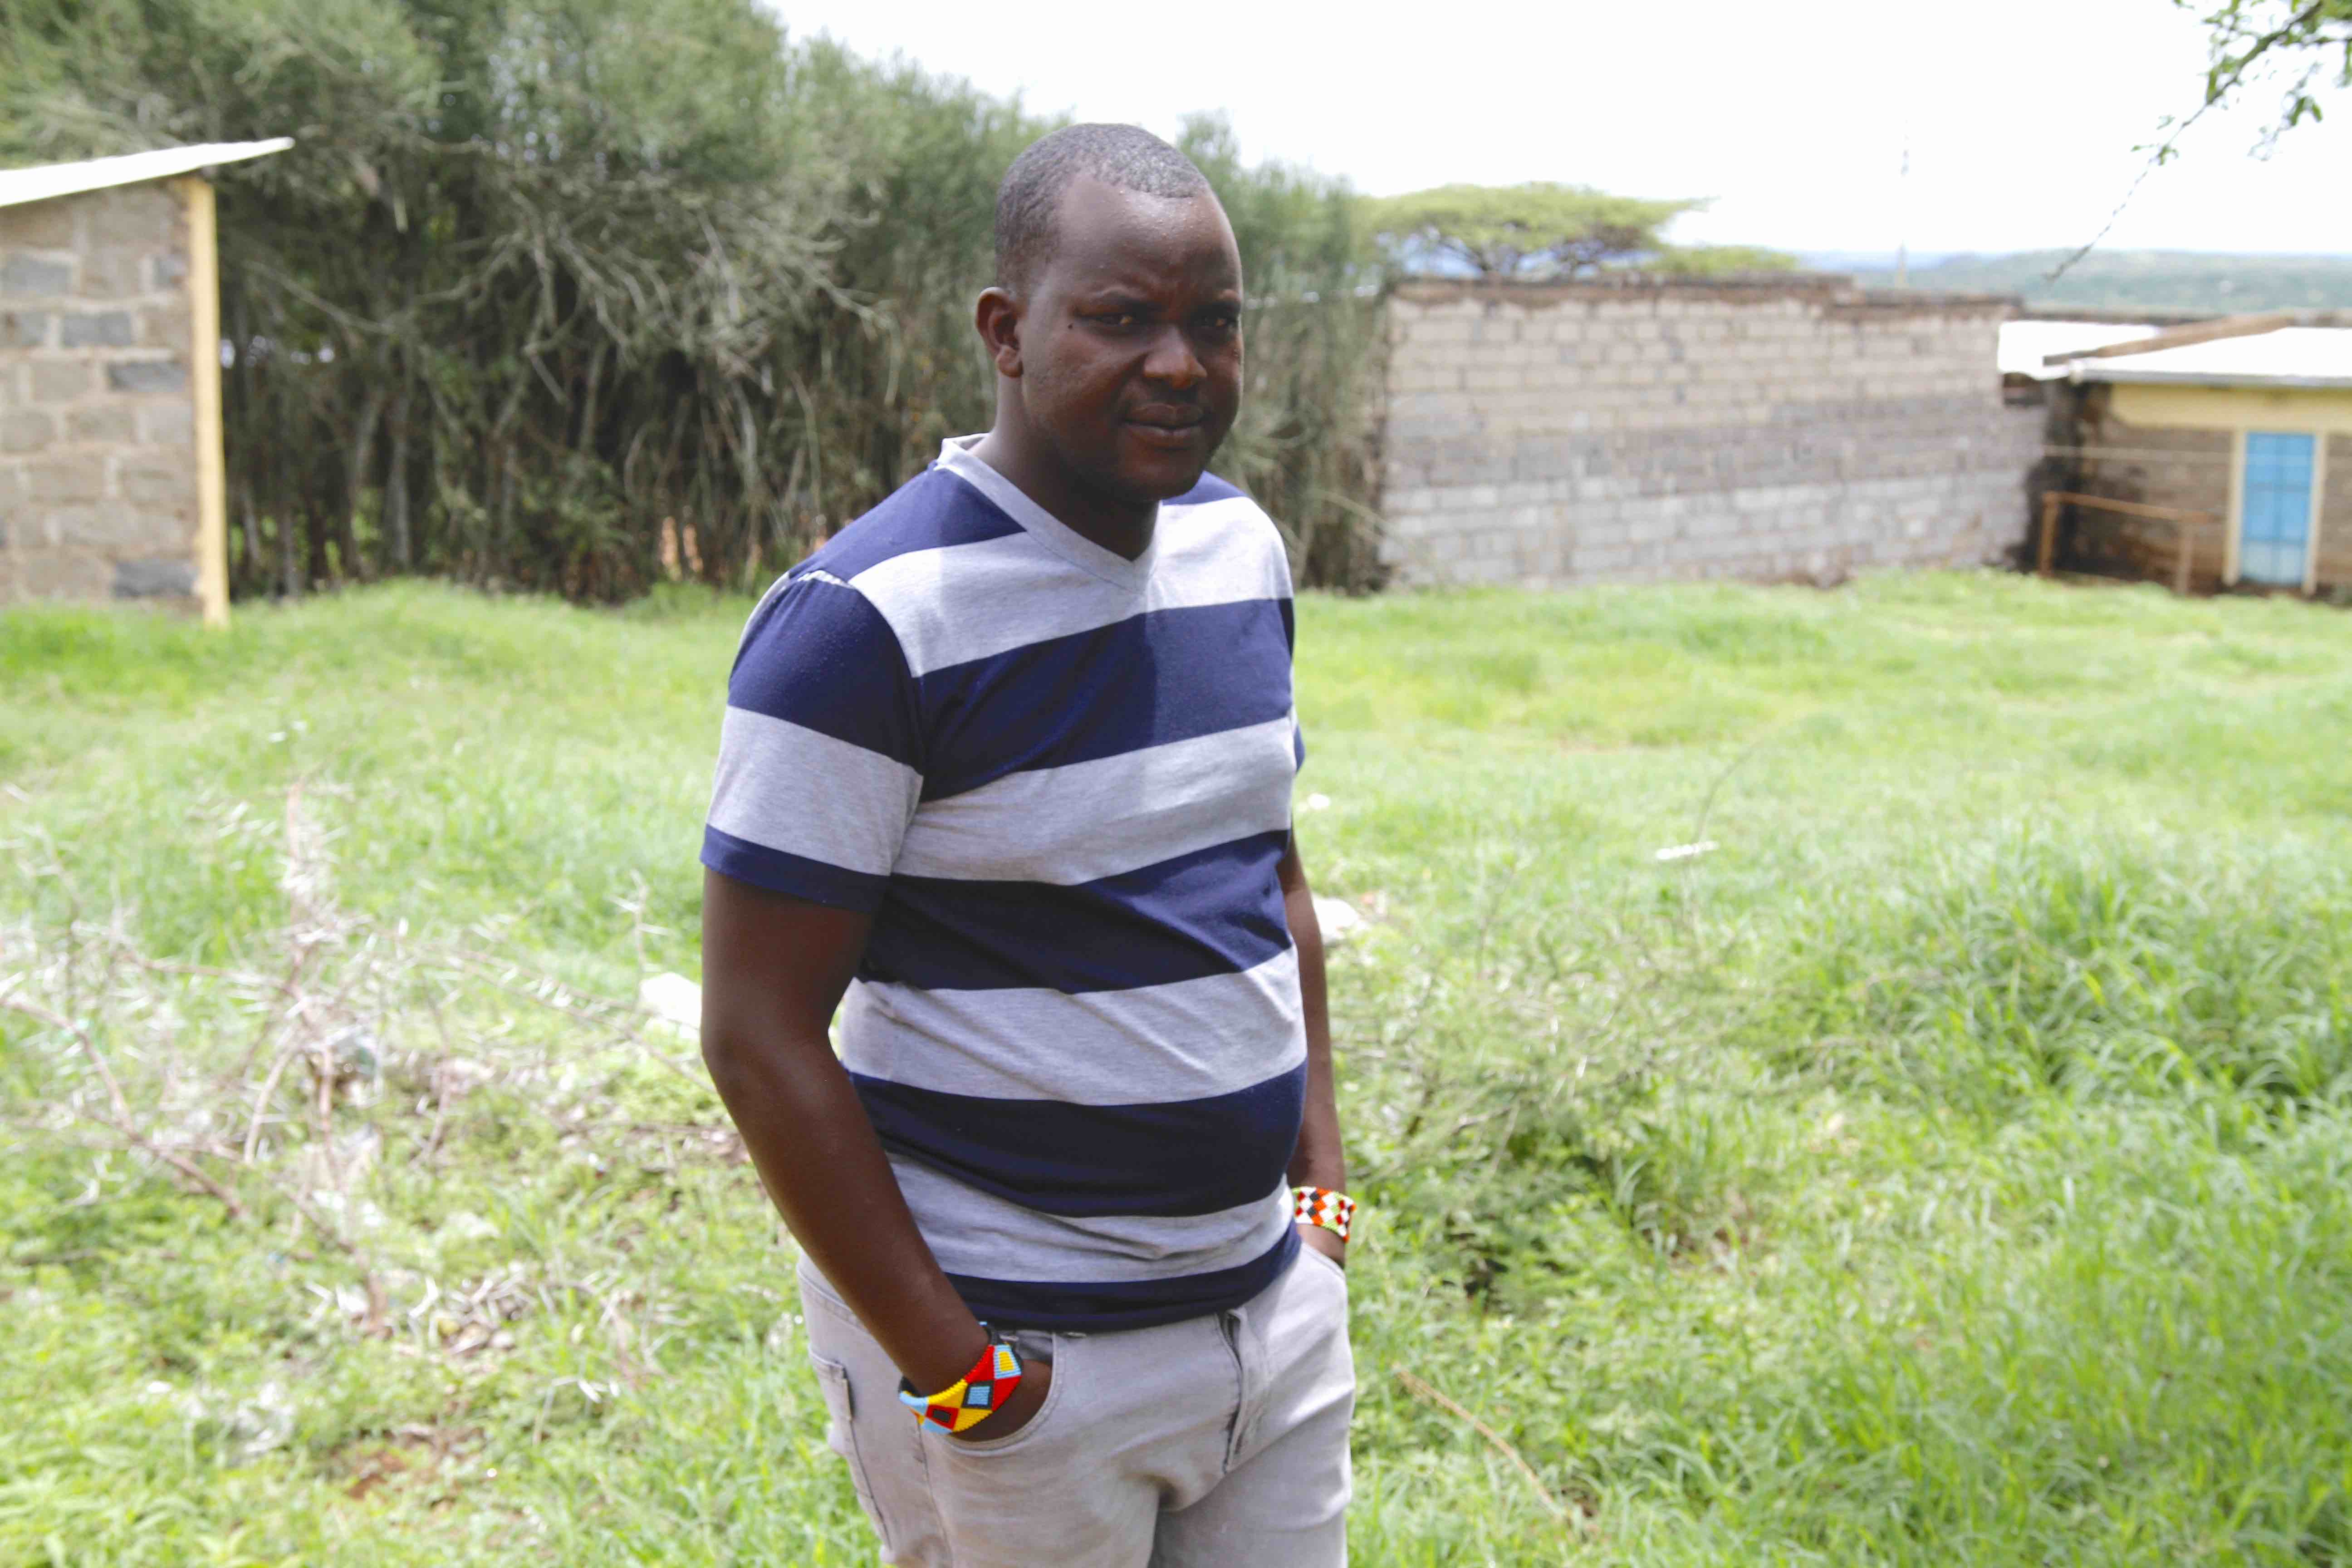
[2217,89]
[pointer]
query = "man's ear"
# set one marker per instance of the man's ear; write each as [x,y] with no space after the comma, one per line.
[998,317]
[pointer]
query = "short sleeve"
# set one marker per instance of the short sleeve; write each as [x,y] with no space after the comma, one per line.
[820,755]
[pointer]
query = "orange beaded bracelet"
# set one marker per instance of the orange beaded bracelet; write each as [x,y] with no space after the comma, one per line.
[1334,1212]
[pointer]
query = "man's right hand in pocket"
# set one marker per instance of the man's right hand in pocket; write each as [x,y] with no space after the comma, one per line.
[1036,1378]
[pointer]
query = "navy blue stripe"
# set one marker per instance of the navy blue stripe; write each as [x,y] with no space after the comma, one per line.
[929,511]
[1210,487]
[780,871]
[1214,911]
[820,654]
[1138,1304]
[1148,680]
[1174,1157]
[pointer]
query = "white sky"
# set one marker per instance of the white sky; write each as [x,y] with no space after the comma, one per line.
[2021,114]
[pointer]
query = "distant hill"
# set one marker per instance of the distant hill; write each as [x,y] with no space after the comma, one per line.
[2132,280]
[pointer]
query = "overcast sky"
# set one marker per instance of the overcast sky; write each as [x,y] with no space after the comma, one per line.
[2022,115]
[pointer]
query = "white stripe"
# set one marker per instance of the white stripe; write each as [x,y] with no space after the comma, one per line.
[788,787]
[782,582]
[961,459]
[962,602]
[1190,1040]
[1074,824]
[978,1233]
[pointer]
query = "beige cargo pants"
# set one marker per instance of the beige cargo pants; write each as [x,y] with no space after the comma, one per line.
[1219,1442]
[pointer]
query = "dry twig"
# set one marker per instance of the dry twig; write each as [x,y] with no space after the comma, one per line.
[1421,1389]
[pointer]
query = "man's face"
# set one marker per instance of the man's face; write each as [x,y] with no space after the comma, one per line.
[1131,339]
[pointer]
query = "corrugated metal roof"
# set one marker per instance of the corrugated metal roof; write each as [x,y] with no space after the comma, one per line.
[2291,356]
[44,182]
[2024,345]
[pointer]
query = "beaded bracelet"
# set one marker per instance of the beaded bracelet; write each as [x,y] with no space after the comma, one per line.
[977,1396]
[1335,1212]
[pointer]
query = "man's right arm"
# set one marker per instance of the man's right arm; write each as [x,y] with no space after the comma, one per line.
[774,968]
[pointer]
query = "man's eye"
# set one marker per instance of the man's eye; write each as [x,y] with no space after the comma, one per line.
[1117,319]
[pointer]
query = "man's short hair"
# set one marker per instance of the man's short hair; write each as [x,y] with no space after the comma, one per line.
[1126,156]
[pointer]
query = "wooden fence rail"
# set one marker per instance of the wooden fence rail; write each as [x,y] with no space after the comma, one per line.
[2182,519]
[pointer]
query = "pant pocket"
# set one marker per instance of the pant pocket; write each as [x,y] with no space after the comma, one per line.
[1033,1347]
[840,1437]
[1329,1265]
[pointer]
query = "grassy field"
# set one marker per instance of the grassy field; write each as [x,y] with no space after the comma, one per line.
[1950,1166]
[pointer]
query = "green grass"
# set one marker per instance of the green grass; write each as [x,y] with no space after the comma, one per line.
[1955,1165]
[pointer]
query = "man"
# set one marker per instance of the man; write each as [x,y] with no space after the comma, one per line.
[1013,752]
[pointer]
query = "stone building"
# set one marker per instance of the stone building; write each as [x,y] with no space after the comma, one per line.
[110,466]
[1634,429]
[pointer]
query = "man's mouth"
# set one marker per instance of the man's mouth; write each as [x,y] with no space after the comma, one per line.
[1159,424]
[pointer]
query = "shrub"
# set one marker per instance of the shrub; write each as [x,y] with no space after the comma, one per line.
[536,284]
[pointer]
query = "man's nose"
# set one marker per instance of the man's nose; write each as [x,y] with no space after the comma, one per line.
[1173,360]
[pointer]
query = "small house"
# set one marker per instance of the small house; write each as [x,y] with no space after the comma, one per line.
[111,484]
[2243,426]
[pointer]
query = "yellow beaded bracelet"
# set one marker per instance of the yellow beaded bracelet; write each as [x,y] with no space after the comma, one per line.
[979,1395]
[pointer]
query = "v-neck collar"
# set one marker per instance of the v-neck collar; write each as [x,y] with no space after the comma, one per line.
[957,457]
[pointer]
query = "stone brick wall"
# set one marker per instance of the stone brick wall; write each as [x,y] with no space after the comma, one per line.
[97,466]
[1645,429]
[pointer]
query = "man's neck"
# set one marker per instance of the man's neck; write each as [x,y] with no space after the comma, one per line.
[1120,527]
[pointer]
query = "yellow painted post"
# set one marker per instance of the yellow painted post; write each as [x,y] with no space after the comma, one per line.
[205,385]
[2318,506]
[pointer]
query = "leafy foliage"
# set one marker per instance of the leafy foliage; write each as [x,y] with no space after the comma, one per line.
[539,287]
[2303,43]
[2310,41]
[1505,231]
[1718,260]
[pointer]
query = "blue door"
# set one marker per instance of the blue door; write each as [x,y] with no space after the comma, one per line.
[2275,521]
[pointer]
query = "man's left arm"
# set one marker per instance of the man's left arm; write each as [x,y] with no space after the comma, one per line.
[1321,1159]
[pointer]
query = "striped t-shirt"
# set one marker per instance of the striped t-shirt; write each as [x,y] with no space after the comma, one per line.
[1061,781]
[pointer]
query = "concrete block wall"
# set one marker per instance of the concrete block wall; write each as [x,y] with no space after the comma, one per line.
[98,445]
[1647,429]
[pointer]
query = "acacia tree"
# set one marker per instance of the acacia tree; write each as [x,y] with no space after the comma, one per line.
[1718,260]
[1540,228]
